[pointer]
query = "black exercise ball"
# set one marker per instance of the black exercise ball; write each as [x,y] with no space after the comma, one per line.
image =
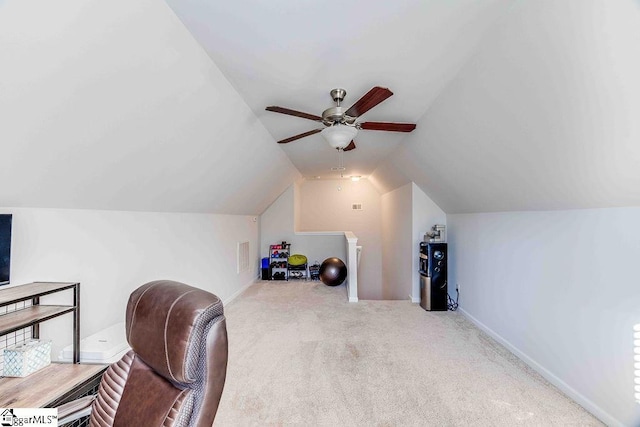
[333,271]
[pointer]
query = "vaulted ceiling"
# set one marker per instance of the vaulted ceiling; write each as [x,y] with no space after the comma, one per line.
[291,54]
[147,105]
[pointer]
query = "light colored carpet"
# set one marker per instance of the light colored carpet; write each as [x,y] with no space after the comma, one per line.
[300,354]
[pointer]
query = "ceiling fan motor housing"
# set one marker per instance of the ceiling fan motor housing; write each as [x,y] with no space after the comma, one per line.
[335,115]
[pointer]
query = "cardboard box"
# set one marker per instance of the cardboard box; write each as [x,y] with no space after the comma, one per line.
[26,358]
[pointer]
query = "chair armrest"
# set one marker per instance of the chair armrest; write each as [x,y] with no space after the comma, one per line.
[71,411]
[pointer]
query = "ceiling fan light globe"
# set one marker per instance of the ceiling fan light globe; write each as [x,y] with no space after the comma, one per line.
[339,136]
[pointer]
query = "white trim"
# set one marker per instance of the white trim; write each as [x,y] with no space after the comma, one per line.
[352,266]
[414,299]
[319,233]
[351,238]
[236,294]
[598,412]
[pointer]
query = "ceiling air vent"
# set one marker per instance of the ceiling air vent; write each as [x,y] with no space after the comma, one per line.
[356,206]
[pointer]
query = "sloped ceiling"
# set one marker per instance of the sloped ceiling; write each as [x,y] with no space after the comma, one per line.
[291,54]
[113,105]
[544,115]
[520,105]
[147,105]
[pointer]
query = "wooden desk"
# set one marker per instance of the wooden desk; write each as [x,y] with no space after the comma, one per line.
[49,386]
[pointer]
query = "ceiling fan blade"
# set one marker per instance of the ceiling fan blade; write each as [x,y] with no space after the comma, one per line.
[302,135]
[351,146]
[295,113]
[393,127]
[372,98]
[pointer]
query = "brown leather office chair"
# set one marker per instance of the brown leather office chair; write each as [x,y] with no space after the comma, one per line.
[176,369]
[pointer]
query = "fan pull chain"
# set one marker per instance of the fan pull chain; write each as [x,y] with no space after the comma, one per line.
[341,162]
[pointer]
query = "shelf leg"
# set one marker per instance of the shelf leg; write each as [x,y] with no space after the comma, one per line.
[35,329]
[76,323]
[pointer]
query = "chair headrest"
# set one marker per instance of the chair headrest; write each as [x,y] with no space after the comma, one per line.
[166,324]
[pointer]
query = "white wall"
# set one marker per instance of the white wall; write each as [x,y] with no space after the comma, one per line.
[543,115]
[426,214]
[111,253]
[407,213]
[560,289]
[325,210]
[389,228]
[326,206]
[277,224]
[113,105]
[396,243]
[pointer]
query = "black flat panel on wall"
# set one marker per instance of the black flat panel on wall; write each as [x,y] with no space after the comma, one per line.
[5,248]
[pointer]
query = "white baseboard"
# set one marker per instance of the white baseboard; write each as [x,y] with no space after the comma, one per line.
[594,409]
[414,299]
[353,299]
[236,294]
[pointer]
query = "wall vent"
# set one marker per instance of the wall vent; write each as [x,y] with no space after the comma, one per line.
[356,206]
[243,257]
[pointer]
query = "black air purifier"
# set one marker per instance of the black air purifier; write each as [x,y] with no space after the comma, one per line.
[433,276]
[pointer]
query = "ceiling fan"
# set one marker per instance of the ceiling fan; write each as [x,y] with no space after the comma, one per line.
[341,124]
